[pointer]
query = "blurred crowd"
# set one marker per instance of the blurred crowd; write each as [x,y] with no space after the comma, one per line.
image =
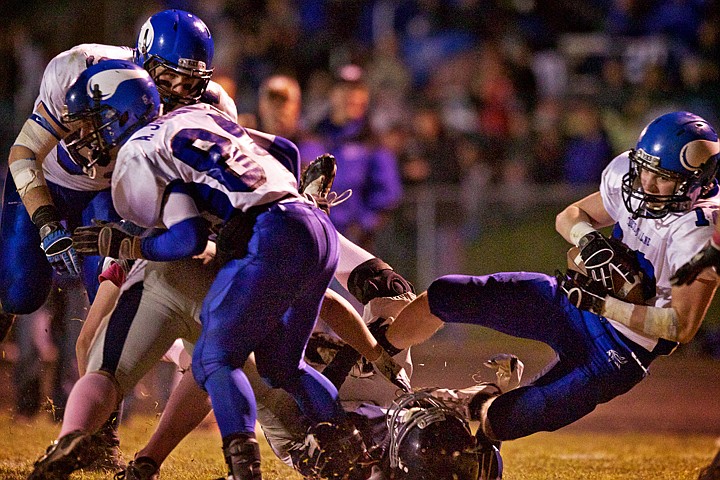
[512,90]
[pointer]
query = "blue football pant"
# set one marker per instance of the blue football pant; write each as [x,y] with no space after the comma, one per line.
[267,303]
[593,364]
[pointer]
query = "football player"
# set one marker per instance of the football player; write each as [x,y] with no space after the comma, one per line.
[661,198]
[184,171]
[51,188]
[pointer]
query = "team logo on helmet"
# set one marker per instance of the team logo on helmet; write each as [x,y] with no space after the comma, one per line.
[146,37]
[108,81]
[696,153]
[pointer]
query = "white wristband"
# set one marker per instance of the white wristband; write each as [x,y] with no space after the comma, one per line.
[579,230]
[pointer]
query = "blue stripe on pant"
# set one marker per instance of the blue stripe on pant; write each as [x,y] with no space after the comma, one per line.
[267,303]
[593,364]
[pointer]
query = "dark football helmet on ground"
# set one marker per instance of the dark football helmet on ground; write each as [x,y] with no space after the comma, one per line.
[430,440]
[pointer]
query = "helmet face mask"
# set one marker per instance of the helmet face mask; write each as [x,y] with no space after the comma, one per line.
[428,439]
[93,138]
[673,165]
[179,42]
[104,107]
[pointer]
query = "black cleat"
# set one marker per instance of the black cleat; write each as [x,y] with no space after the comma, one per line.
[142,468]
[105,449]
[318,177]
[65,455]
[491,464]
[317,180]
[712,471]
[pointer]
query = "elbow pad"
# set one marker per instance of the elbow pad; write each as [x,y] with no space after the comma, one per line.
[375,278]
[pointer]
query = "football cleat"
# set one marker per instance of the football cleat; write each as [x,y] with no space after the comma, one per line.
[105,450]
[317,180]
[712,471]
[242,456]
[467,401]
[65,455]
[331,450]
[318,177]
[142,468]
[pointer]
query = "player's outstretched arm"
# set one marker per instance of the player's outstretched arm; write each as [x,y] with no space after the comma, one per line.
[345,321]
[348,325]
[103,305]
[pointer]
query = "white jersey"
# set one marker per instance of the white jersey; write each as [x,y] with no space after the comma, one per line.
[59,76]
[666,243]
[198,149]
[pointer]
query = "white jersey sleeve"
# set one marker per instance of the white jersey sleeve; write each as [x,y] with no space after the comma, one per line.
[665,243]
[213,159]
[59,75]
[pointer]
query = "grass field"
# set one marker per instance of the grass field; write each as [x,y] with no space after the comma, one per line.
[558,455]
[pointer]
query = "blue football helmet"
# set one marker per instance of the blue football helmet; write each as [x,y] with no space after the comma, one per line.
[429,439]
[179,42]
[678,146]
[110,101]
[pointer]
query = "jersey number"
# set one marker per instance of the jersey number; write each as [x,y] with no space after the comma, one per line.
[218,157]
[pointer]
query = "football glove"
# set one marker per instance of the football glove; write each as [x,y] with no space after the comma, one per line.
[393,371]
[57,243]
[582,291]
[609,261]
[107,240]
[708,257]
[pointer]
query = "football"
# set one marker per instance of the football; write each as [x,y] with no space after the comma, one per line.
[626,281]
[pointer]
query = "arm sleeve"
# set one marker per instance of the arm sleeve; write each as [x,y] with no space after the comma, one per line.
[184,239]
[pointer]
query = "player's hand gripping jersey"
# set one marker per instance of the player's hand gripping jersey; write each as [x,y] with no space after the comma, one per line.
[666,243]
[215,169]
[59,75]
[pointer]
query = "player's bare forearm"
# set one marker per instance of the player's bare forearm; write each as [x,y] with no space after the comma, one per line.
[691,302]
[589,210]
[345,321]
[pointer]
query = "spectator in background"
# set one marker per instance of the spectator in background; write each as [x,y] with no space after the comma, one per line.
[364,165]
[279,106]
[588,148]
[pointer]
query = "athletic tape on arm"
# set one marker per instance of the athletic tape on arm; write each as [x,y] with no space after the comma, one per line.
[38,137]
[27,175]
[656,321]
